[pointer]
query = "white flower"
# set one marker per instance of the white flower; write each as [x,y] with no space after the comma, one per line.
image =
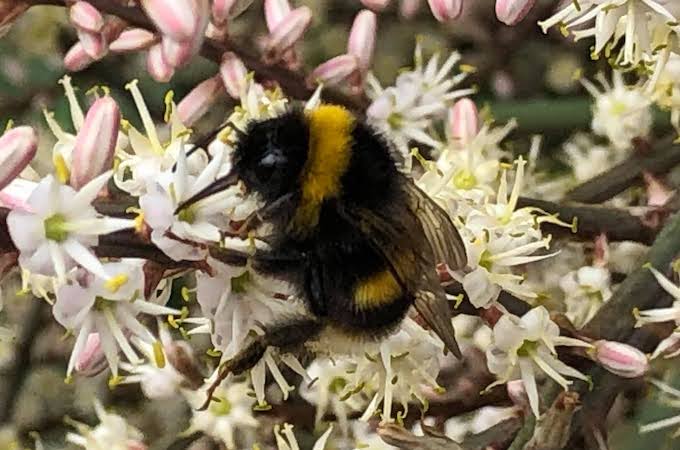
[150,156]
[405,111]
[109,307]
[231,414]
[503,237]
[181,235]
[403,366]
[586,159]
[585,291]
[621,112]
[112,433]
[61,227]
[329,379]
[365,438]
[642,25]
[669,347]
[237,301]
[522,345]
[285,440]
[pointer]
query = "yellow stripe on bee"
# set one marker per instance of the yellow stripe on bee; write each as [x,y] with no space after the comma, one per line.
[377,290]
[330,150]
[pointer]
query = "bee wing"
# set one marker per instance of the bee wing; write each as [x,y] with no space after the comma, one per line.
[444,238]
[410,259]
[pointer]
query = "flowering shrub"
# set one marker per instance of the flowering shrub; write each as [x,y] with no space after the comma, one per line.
[570,253]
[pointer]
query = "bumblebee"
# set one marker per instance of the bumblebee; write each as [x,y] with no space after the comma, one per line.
[356,238]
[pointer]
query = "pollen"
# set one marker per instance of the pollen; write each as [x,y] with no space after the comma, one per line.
[113,284]
[158,354]
[61,169]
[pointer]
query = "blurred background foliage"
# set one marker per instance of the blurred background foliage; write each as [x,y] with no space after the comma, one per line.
[519,72]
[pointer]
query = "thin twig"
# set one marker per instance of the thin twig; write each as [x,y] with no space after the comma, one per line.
[663,158]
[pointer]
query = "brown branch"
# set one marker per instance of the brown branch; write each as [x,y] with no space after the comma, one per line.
[293,83]
[664,156]
[618,224]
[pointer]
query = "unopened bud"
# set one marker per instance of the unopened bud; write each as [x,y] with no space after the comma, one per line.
[275,11]
[223,10]
[620,359]
[233,73]
[375,5]
[288,32]
[511,12]
[94,44]
[159,69]
[175,18]
[409,8]
[335,70]
[658,194]
[133,40]
[197,102]
[518,394]
[91,360]
[361,41]
[96,142]
[76,58]
[176,53]
[135,445]
[464,121]
[17,149]
[446,10]
[85,16]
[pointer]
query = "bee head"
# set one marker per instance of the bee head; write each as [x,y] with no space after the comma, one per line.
[271,154]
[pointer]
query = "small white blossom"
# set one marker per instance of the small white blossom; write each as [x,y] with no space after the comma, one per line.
[585,291]
[60,228]
[231,414]
[285,439]
[109,306]
[406,110]
[621,112]
[112,433]
[522,345]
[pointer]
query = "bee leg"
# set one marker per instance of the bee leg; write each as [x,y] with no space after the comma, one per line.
[255,219]
[287,335]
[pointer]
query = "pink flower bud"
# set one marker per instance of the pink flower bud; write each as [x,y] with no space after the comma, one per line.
[517,393]
[446,10]
[658,194]
[197,102]
[361,41]
[175,18]
[335,70]
[17,149]
[91,359]
[157,66]
[133,40]
[463,121]
[375,5]
[620,359]
[275,11]
[94,44]
[233,73]
[77,58]
[87,17]
[96,142]
[176,53]
[409,8]
[223,10]
[288,32]
[512,12]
